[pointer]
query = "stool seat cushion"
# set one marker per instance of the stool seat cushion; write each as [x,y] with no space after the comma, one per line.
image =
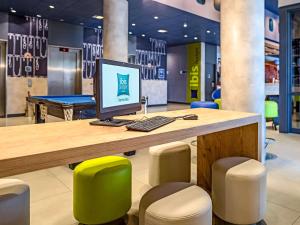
[176,203]
[208,105]
[170,163]
[239,190]
[14,202]
[102,190]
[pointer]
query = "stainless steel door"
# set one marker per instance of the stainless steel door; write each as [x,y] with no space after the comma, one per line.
[55,72]
[70,73]
[64,72]
[2,79]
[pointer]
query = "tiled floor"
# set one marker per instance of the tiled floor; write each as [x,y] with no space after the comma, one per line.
[51,189]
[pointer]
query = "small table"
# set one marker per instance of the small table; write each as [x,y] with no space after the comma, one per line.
[69,108]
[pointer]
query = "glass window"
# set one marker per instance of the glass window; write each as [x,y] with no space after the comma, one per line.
[295,79]
[295,71]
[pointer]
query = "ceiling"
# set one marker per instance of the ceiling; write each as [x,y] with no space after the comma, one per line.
[141,12]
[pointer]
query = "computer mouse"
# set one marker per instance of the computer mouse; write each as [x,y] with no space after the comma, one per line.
[190,117]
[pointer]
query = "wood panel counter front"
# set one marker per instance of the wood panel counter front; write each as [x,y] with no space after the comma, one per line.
[220,133]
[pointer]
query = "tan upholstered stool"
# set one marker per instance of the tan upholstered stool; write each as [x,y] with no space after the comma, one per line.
[14,202]
[239,190]
[175,204]
[170,163]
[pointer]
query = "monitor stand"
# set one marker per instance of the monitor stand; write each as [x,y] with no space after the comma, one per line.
[111,122]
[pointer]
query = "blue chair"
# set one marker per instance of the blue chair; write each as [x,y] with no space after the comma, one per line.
[216,94]
[207,105]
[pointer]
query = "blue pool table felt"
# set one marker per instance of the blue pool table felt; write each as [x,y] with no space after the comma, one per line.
[70,100]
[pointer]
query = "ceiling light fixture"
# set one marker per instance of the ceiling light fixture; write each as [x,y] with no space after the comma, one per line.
[81,24]
[12,10]
[195,38]
[185,36]
[130,32]
[185,25]
[38,15]
[162,31]
[143,35]
[51,6]
[99,27]
[156,17]
[208,31]
[98,17]
[133,24]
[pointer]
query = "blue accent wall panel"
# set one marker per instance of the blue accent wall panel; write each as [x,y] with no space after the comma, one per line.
[151,55]
[92,50]
[27,46]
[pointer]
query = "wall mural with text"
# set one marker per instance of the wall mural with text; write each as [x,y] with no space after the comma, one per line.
[27,46]
[92,50]
[151,55]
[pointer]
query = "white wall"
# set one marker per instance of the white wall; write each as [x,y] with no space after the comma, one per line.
[156,90]
[207,10]
[287,2]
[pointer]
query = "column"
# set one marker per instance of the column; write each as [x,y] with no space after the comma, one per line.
[242,56]
[115,34]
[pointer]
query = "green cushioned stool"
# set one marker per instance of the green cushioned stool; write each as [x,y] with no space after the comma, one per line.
[219,102]
[102,190]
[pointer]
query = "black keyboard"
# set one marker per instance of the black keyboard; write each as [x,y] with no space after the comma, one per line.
[150,124]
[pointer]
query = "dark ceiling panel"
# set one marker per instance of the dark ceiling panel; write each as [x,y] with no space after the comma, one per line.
[141,12]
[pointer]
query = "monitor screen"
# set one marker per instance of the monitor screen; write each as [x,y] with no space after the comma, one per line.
[118,89]
[120,85]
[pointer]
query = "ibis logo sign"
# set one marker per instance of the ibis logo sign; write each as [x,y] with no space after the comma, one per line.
[194,72]
[123,84]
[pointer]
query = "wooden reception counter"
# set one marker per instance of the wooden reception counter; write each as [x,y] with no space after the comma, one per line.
[220,134]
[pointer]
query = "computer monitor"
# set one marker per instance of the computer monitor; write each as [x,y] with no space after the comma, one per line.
[118,89]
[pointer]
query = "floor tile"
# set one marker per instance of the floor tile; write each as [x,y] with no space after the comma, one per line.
[277,215]
[64,174]
[56,210]
[297,222]
[44,187]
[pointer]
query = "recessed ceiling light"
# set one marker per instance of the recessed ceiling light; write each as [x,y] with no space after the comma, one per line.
[39,16]
[208,31]
[61,20]
[185,25]
[98,17]
[156,17]
[162,31]
[195,38]
[133,24]
[130,32]
[143,35]
[99,27]
[12,10]
[51,6]
[81,24]
[185,36]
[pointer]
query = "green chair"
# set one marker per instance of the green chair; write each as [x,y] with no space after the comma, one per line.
[271,111]
[102,190]
[219,102]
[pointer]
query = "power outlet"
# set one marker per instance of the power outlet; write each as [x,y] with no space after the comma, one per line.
[29,83]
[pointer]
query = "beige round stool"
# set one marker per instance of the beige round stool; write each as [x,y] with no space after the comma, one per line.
[239,190]
[175,204]
[170,163]
[14,202]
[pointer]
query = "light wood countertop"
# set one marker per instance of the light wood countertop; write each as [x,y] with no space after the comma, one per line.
[31,147]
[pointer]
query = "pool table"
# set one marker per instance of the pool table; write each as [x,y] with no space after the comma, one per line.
[69,108]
